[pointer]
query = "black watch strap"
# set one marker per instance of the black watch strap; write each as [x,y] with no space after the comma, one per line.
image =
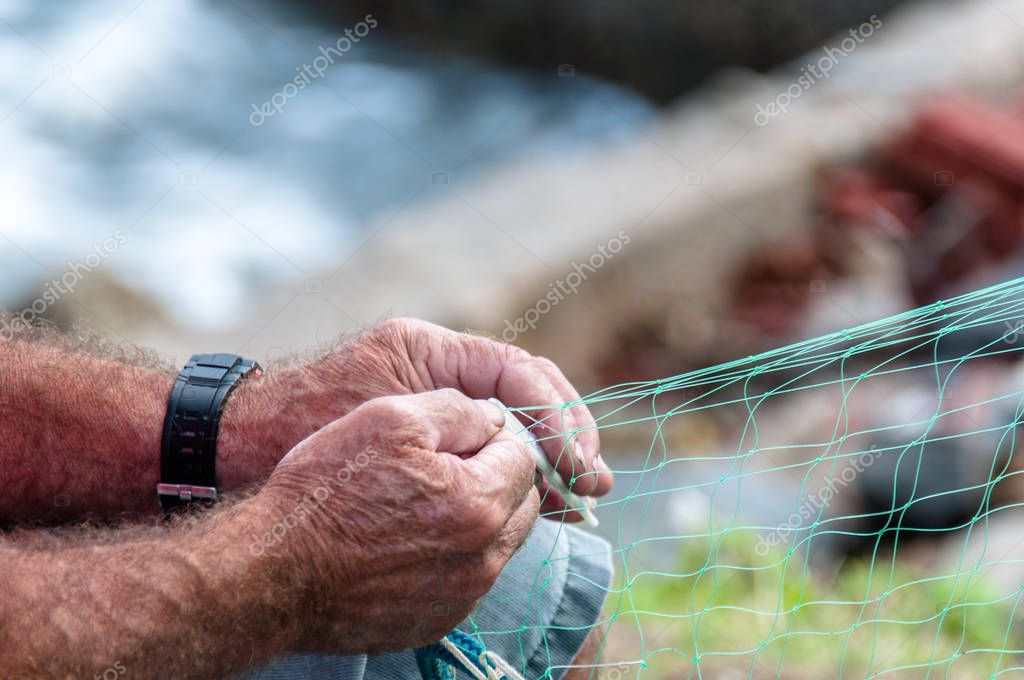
[188,452]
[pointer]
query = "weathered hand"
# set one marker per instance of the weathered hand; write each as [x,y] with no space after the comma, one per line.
[393,520]
[407,356]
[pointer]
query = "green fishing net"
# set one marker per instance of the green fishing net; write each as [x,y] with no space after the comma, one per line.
[848,506]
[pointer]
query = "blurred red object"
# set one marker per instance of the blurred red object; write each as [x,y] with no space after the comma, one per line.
[948,190]
[952,183]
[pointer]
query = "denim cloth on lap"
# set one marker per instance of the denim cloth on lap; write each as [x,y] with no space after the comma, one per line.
[537,615]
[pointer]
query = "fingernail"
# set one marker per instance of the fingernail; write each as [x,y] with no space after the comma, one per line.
[600,465]
[578,460]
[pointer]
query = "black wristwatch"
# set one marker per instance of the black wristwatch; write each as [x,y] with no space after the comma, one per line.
[188,452]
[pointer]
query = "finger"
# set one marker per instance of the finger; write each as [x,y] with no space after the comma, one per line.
[456,424]
[586,433]
[501,473]
[552,506]
[582,475]
[518,527]
[484,368]
[567,433]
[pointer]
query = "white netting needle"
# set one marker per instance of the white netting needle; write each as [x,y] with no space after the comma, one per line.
[571,500]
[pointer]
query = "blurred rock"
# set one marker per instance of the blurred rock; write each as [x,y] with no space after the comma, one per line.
[108,307]
[991,551]
[661,48]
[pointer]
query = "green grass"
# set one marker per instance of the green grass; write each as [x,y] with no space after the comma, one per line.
[724,607]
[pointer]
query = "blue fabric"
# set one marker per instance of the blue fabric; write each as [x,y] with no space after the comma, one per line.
[431,666]
[436,662]
[536,617]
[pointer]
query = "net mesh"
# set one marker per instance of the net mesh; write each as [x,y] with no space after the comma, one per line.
[846,506]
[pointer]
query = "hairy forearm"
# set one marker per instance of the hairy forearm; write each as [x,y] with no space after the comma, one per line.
[80,435]
[77,433]
[169,601]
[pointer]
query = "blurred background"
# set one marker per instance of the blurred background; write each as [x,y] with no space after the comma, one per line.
[633,189]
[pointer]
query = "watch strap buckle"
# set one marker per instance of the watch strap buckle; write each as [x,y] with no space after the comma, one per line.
[186,492]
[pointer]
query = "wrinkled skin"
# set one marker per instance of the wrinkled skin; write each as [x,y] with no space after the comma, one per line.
[429,498]
[408,356]
[419,530]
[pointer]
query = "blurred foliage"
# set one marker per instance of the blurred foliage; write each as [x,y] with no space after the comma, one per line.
[772,616]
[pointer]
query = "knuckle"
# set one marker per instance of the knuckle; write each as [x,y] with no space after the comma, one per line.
[387,334]
[520,466]
[388,410]
[372,409]
[394,334]
[395,325]
[515,354]
[481,523]
[521,450]
[390,422]
[453,396]
[546,364]
[406,328]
